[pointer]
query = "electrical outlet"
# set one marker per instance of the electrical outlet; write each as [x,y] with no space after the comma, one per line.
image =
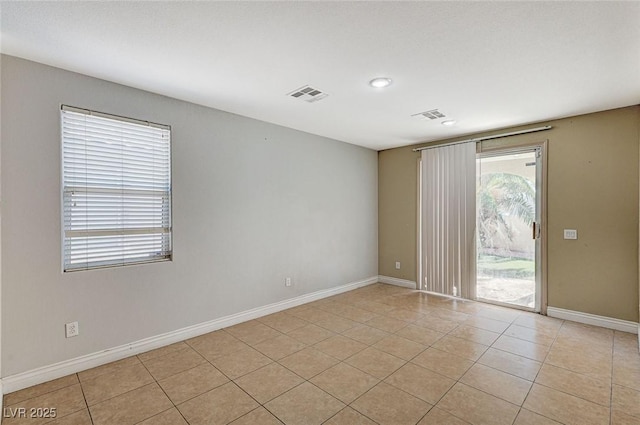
[397,265]
[71,329]
[287,281]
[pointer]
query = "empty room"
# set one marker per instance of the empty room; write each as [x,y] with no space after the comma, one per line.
[319,212]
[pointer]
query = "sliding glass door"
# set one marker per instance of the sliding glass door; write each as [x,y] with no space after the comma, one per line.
[480,224]
[508,232]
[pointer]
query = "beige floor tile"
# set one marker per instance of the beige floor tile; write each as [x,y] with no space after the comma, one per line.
[444,363]
[620,418]
[420,334]
[357,314]
[446,314]
[375,362]
[344,382]
[521,348]
[283,322]
[461,347]
[440,417]
[65,401]
[366,334]
[295,311]
[340,346]
[308,362]
[474,334]
[333,304]
[626,370]
[132,407]
[565,408]
[107,368]
[79,418]
[526,417]
[625,343]
[388,405]
[173,363]
[579,344]
[216,344]
[305,404]
[241,362]
[497,383]
[374,307]
[538,336]
[387,324]
[279,347]
[163,351]
[486,324]
[594,334]
[574,386]
[400,347]
[462,305]
[37,390]
[310,334]
[337,324]
[420,382]
[498,313]
[538,321]
[626,400]
[405,315]
[193,382]
[168,417]
[55,404]
[592,389]
[268,382]
[259,416]
[519,366]
[348,416]
[576,336]
[218,406]
[122,380]
[252,332]
[477,407]
[581,361]
[311,314]
[437,324]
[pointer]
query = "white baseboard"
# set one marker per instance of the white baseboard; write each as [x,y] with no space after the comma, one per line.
[47,373]
[592,319]
[397,282]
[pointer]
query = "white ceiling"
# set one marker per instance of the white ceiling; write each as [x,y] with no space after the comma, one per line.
[485,64]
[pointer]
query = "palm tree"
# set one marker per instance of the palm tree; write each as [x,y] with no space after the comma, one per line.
[502,195]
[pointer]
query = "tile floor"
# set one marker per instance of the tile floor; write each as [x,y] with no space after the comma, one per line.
[377,355]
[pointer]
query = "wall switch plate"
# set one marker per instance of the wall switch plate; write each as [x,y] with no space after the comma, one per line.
[287,281]
[397,265]
[570,234]
[71,329]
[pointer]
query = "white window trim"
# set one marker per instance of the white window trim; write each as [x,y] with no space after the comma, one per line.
[125,212]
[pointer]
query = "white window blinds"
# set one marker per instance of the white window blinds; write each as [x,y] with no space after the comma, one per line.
[449,219]
[116,190]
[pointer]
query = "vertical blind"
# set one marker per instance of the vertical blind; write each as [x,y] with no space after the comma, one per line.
[116,190]
[448,219]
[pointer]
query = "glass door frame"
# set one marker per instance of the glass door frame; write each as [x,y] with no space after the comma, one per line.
[541,216]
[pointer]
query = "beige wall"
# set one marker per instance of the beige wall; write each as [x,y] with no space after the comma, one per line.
[592,186]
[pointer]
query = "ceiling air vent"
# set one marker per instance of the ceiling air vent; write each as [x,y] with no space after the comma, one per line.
[308,94]
[433,114]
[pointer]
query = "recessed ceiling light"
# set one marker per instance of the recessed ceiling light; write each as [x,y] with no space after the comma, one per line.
[448,123]
[380,82]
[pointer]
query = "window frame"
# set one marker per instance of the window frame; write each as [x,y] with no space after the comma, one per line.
[123,236]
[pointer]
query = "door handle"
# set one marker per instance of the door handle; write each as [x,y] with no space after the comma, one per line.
[536,230]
